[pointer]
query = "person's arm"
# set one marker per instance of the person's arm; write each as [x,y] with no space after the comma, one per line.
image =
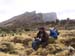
[37,35]
[47,36]
[57,32]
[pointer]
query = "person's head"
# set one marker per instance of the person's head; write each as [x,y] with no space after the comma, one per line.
[41,29]
[52,28]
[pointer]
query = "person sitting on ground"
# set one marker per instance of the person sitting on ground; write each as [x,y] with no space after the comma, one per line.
[41,38]
[55,29]
[54,33]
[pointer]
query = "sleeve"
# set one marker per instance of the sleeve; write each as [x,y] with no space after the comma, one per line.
[37,35]
[47,35]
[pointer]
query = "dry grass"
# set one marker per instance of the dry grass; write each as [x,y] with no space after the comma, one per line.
[20,45]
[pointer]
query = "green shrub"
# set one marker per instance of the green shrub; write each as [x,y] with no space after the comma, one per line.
[13,52]
[27,29]
[5,35]
[2,35]
[13,34]
[20,33]
[51,40]
[6,47]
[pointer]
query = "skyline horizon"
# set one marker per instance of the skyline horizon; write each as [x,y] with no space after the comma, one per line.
[39,12]
[63,8]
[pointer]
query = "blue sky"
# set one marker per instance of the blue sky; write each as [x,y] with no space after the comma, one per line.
[63,8]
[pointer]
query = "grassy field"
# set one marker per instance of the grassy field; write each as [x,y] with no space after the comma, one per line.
[19,44]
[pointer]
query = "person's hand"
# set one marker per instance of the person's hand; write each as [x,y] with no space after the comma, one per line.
[39,39]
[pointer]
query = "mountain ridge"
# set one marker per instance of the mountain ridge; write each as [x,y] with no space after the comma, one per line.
[27,18]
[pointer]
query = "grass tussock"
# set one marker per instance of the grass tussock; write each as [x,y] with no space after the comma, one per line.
[20,44]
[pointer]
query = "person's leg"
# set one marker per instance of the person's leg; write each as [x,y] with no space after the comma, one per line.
[35,44]
[44,44]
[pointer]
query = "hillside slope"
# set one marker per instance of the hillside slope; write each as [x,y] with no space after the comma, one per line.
[28,18]
[23,19]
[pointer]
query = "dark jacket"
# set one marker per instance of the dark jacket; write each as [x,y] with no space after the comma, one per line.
[43,35]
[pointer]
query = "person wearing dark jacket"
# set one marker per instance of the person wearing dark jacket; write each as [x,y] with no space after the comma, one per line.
[41,38]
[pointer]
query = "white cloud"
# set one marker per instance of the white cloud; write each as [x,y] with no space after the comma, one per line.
[10,8]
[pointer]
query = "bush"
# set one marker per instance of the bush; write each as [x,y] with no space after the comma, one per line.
[16,40]
[13,34]
[20,33]
[51,40]
[13,52]
[29,51]
[2,35]
[27,29]
[42,52]
[25,41]
[6,47]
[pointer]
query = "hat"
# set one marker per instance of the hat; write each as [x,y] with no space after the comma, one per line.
[42,28]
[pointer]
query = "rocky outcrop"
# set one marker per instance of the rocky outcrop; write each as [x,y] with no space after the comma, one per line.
[29,18]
